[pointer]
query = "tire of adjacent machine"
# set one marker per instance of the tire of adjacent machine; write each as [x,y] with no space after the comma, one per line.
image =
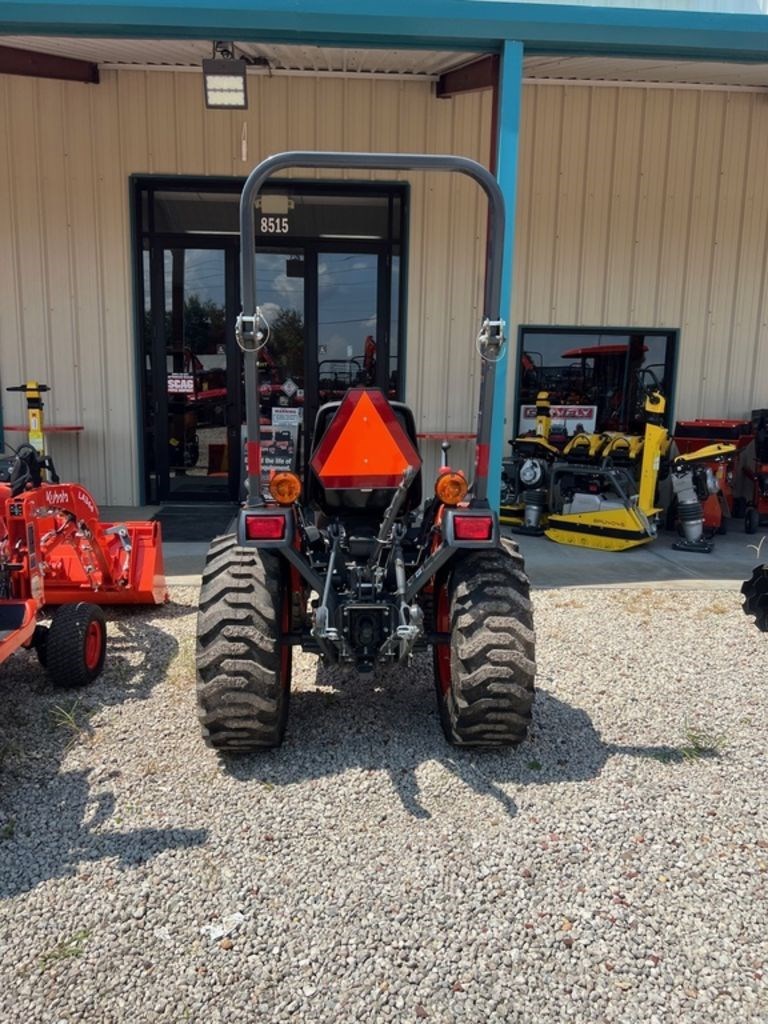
[243,663]
[485,676]
[73,647]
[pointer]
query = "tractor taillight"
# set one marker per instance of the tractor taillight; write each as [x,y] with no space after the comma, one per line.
[261,527]
[473,527]
[451,487]
[284,487]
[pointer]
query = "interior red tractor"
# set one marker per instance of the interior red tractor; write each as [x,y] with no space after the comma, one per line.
[391,574]
[55,553]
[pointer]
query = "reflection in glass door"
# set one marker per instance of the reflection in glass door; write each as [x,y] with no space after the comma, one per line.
[280,291]
[195,366]
[347,322]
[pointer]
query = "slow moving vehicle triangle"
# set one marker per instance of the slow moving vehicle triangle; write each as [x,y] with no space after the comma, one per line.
[364,446]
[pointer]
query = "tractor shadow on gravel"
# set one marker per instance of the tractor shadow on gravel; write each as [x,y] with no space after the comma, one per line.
[389,723]
[52,821]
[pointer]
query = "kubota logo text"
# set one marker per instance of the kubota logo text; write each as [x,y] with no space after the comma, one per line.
[56,497]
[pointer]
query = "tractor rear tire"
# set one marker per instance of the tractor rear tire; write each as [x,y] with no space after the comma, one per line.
[485,676]
[72,651]
[243,659]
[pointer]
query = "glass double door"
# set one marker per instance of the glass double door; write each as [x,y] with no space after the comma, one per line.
[332,316]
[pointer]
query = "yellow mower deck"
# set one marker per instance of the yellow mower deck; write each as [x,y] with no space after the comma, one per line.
[612,530]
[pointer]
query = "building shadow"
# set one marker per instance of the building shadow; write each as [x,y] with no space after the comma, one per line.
[51,821]
[391,725]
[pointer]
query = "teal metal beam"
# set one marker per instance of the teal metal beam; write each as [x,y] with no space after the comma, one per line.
[442,24]
[509,100]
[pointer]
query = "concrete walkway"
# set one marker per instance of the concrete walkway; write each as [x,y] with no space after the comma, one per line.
[655,564]
[559,565]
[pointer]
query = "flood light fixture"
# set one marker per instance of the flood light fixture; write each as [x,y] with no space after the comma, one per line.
[224,80]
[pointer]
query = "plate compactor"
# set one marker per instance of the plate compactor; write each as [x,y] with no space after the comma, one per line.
[391,574]
[55,553]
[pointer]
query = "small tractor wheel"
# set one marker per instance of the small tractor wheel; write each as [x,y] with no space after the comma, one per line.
[243,660]
[73,649]
[485,676]
[751,520]
[40,644]
[755,591]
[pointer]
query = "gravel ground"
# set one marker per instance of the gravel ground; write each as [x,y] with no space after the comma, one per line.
[613,868]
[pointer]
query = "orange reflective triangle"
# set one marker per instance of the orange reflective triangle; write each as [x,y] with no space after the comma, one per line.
[365,445]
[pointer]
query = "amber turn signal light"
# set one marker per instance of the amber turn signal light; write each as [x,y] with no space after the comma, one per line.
[451,487]
[284,487]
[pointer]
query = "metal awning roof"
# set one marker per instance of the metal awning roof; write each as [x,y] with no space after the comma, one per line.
[417,64]
[180,53]
[669,29]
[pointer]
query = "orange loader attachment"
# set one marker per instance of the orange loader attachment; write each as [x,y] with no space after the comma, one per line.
[80,558]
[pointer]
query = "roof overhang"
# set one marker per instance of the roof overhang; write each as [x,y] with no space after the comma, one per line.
[453,71]
[431,24]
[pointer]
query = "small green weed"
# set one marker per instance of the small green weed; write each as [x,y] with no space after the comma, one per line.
[68,949]
[8,831]
[73,720]
[700,744]
[535,766]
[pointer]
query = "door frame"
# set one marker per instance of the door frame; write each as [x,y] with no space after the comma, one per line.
[145,238]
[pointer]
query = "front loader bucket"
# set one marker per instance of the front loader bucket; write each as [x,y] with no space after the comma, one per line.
[121,564]
[146,584]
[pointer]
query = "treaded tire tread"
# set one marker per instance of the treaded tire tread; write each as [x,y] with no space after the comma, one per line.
[490,698]
[755,591]
[62,650]
[242,700]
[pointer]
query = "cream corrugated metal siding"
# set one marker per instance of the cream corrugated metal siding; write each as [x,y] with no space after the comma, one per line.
[649,208]
[66,314]
[637,207]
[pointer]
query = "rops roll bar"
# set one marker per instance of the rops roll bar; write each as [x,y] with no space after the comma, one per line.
[491,336]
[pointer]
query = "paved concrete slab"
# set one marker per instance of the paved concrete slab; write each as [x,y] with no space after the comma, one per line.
[658,563]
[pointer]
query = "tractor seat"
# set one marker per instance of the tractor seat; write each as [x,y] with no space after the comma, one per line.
[359,501]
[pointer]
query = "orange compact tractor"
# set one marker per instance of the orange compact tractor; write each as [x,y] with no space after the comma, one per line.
[344,559]
[55,552]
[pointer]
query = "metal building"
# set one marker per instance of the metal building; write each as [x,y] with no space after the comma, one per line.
[630,141]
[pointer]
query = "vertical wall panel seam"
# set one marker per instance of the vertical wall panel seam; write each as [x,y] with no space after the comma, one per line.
[533,142]
[762,312]
[177,162]
[663,213]
[42,241]
[420,346]
[583,213]
[18,289]
[99,243]
[713,253]
[74,292]
[553,316]
[689,228]
[640,183]
[739,242]
[448,317]
[609,217]
[124,172]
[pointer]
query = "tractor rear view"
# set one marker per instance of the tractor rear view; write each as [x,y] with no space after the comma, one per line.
[360,560]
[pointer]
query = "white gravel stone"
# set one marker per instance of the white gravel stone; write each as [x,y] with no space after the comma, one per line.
[611,869]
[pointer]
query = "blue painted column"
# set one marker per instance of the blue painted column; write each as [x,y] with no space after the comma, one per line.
[509,105]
